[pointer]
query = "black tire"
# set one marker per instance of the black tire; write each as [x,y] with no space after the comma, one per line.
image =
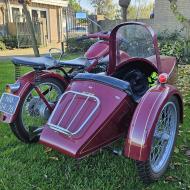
[18,128]
[145,169]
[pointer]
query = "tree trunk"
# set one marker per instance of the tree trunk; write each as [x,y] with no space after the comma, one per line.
[31,29]
[124,14]
[7,4]
[124,5]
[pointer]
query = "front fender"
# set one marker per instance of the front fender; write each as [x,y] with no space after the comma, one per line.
[139,139]
[26,82]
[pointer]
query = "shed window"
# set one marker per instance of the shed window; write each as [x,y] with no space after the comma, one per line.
[15,13]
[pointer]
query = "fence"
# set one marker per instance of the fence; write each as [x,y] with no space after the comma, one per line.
[20,29]
[75,27]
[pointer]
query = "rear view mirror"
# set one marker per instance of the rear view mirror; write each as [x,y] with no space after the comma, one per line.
[81,15]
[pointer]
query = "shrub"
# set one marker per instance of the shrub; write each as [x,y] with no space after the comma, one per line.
[78,46]
[2,46]
[169,36]
[175,49]
[10,41]
[173,44]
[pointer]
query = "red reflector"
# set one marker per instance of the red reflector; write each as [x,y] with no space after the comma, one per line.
[163,78]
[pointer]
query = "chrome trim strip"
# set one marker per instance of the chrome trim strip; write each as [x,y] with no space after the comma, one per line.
[77,113]
[67,109]
[144,132]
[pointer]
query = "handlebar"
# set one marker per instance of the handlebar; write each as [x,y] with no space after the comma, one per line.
[82,38]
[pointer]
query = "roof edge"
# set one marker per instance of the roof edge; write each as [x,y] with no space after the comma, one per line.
[59,3]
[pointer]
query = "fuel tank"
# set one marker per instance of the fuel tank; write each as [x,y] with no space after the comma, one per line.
[98,50]
[94,111]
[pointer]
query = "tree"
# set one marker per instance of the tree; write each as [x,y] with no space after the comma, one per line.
[105,7]
[25,4]
[74,5]
[124,5]
[142,11]
[98,5]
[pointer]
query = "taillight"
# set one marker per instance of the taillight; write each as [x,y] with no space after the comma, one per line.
[163,78]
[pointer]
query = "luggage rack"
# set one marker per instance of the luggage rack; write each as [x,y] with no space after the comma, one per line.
[76,94]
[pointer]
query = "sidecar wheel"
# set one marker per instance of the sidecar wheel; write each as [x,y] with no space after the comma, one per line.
[32,113]
[162,144]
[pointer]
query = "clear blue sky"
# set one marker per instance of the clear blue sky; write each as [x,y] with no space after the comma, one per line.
[87,5]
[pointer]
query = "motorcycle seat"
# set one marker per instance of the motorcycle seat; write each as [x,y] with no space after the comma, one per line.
[35,62]
[48,62]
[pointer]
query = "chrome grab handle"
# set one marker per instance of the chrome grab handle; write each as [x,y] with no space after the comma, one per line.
[66,130]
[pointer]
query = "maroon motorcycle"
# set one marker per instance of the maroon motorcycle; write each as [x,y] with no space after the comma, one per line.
[38,91]
[98,109]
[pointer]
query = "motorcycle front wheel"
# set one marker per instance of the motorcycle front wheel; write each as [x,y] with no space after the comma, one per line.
[33,112]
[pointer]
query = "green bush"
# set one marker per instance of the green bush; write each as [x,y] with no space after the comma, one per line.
[173,48]
[10,41]
[2,46]
[169,36]
[78,46]
[173,44]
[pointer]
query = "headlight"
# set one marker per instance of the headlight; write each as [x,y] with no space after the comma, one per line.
[11,88]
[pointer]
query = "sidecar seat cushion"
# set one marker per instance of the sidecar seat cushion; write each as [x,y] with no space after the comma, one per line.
[35,62]
[111,81]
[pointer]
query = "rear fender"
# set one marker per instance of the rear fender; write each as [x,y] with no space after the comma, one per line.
[26,82]
[139,140]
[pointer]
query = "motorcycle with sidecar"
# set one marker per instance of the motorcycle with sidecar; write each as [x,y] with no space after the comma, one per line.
[98,109]
[39,90]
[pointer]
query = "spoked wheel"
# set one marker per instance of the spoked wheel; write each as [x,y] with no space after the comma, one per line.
[162,143]
[34,113]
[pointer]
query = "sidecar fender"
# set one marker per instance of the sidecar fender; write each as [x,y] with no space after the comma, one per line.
[141,130]
[26,82]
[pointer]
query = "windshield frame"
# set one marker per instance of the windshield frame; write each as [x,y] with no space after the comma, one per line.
[113,46]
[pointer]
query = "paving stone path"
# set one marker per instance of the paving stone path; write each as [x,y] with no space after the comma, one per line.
[8,54]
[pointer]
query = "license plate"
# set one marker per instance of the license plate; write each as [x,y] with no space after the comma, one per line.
[9,103]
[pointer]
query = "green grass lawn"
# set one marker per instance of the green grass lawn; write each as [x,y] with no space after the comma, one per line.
[34,167]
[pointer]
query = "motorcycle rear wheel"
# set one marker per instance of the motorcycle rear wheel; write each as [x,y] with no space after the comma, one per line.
[33,113]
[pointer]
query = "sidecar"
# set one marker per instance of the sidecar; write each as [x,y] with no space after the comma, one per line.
[127,102]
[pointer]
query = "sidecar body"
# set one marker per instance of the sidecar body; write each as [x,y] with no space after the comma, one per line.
[94,111]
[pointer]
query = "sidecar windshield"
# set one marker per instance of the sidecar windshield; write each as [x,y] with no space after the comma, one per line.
[134,40]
